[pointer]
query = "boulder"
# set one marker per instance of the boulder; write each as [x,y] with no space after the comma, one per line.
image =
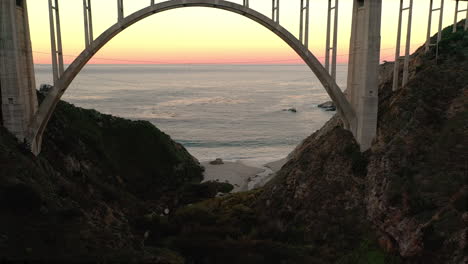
[45,88]
[292,109]
[217,161]
[328,106]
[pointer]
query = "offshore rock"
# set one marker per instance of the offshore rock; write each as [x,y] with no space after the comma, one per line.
[217,161]
[45,88]
[328,106]
[292,110]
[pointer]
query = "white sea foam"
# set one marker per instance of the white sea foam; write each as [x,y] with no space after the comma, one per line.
[202,101]
[232,112]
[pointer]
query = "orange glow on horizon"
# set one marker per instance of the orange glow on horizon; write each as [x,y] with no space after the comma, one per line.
[210,36]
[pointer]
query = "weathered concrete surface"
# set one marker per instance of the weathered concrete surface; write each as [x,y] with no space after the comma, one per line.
[362,89]
[17,79]
[47,107]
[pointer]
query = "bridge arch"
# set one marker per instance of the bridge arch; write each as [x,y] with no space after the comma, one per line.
[42,117]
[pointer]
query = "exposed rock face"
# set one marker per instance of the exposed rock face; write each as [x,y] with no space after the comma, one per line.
[417,180]
[321,191]
[409,192]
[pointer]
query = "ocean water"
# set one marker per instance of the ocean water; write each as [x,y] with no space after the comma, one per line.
[233,112]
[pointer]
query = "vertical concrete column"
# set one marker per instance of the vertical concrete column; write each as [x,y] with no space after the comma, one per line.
[466,19]
[275,10]
[331,46]
[408,43]
[17,78]
[441,18]
[455,19]
[88,22]
[364,58]
[304,23]
[120,10]
[335,41]
[396,68]
[429,25]
[56,40]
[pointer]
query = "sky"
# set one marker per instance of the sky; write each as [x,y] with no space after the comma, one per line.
[209,35]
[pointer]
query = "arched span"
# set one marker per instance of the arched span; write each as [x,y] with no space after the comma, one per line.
[47,107]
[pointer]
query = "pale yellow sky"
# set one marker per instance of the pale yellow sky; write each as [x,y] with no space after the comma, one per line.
[207,35]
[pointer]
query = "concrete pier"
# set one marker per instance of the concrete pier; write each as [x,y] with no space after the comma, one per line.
[362,89]
[17,79]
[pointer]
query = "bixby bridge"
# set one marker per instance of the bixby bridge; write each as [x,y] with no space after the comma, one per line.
[358,107]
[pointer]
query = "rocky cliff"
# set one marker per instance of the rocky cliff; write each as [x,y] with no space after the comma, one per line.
[405,197]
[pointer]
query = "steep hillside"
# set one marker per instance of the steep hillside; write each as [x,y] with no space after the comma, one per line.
[409,192]
[80,197]
[134,154]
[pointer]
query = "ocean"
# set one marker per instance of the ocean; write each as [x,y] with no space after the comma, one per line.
[233,112]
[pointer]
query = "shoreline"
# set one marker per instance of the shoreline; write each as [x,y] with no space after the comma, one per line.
[242,176]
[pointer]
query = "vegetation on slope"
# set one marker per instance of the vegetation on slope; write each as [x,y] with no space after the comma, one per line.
[80,197]
[101,188]
[409,189]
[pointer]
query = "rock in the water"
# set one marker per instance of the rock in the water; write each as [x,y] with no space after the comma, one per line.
[217,161]
[45,88]
[328,106]
[293,110]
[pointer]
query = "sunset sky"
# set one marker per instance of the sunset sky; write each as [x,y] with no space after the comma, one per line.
[208,35]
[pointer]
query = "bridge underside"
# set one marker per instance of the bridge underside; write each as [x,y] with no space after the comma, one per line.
[358,111]
[47,107]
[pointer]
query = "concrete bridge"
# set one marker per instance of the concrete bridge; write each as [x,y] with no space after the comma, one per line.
[358,109]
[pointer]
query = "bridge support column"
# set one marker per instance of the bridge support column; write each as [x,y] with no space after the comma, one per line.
[17,79]
[88,22]
[364,59]
[396,68]
[429,25]
[304,23]
[275,11]
[455,19]
[334,45]
[55,40]
[120,10]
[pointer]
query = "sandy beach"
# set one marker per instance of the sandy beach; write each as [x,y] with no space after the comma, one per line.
[242,176]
